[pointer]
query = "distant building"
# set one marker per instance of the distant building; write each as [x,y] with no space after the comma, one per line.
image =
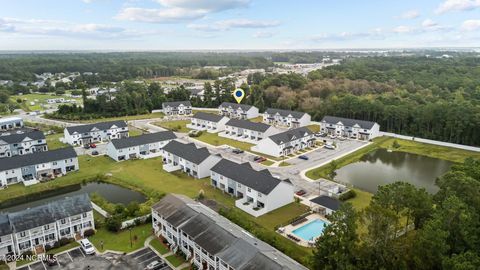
[143,146]
[247,131]
[10,123]
[328,203]
[177,108]
[238,111]
[22,143]
[98,132]
[207,121]
[350,128]
[286,143]
[285,118]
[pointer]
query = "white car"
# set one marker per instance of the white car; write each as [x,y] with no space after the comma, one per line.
[332,136]
[87,247]
[155,265]
[330,146]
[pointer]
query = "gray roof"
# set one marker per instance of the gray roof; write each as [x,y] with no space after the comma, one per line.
[261,262]
[348,122]
[176,103]
[245,124]
[5,228]
[238,254]
[19,137]
[144,139]
[208,117]
[197,225]
[235,106]
[50,212]
[328,202]
[244,174]
[290,135]
[169,204]
[180,216]
[215,239]
[16,131]
[100,126]
[285,113]
[188,151]
[37,158]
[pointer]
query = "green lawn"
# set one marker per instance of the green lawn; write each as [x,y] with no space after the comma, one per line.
[126,118]
[314,128]
[133,131]
[61,249]
[175,260]
[214,139]
[159,246]
[41,100]
[177,125]
[362,200]
[53,141]
[284,164]
[257,119]
[121,241]
[267,162]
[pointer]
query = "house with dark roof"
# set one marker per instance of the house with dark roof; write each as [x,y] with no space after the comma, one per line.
[328,203]
[286,118]
[22,143]
[211,241]
[9,123]
[97,132]
[237,110]
[193,161]
[177,108]
[350,128]
[36,228]
[286,143]
[143,146]
[247,131]
[39,166]
[258,192]
[7,244]
[209,122]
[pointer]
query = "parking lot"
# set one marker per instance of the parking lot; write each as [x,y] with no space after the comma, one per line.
[145,256]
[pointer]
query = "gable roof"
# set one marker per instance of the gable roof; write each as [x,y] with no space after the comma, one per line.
[328,202]
[245,124]
[290,135]
[19,137]
[285,113]
[10,119]
[144,139]
[4,225]
[208,117]
[214,239]
[37,158]
[236,106]
[176,104]
[244,174]
[348,122]
[187,151]
[238,254]
[99,126]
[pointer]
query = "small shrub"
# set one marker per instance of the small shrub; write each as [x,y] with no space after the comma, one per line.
[113,223]
[201,194]
[65,241]
[88,233]
[347,195]
[395,144]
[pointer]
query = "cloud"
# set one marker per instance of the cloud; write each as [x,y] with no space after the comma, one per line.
[429,23]
[457,5]
[410,14]
[263,34]
[402,29]
[174,11]
[233,23]
[470,25]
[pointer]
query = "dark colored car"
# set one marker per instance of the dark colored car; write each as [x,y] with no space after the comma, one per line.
[95,153]
[86,146]
[301,192]
[237,151]
[303,157]
[92,145]
[260,159]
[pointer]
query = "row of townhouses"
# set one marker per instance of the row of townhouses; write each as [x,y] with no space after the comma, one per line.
[258,192]
[35,228]
[10,123]
[247,131]
[177,108]
[286,143]
[30,169]
[22,143]
[211,241]
[143,146]
[350,128]
[98,132]
[285,118]
[237,111]
[209,122]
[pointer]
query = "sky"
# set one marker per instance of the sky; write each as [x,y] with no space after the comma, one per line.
[141,25]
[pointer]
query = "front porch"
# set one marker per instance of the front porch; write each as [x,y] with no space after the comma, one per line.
[252,207]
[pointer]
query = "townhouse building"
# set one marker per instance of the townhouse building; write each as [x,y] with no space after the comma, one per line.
[143,146]
[350,128]
[39,166]
[286,118]
[238,111]
[211,241]
[7,245]
[177,108]
[98,132]
[193,161]
[286,143]
[9,123]
[209,122]
[35,228]
[22,143]
[244,130]
[258,192]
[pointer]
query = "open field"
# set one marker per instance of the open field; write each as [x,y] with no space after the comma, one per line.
[40,101]
[176,125]
[53,141]
[314,128]
[126,118]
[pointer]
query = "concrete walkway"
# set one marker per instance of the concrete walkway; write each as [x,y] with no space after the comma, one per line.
[164,256]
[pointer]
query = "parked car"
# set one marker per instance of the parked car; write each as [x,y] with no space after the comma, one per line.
[330,146]
[259,159]
[155,265]
[92,145]
[342,138]
[95,153]
[301,192]
[237,151]
[332,136]
[86,146]
[87,247]
[303,157]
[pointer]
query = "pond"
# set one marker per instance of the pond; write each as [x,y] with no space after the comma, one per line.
[112,193]
[381,167]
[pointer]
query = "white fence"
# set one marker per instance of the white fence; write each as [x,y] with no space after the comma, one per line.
[132,221]
[447,144]
[100,210]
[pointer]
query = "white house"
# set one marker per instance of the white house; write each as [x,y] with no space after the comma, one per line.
[22,143]
[211,241]
[238,111]
[285,118]
[286,143]
[29,169]
[258,192]
[328,203]
[7,244]
[194,161]
[98,132]
[351,128]
[144,146]
[9,123]
[244,130]
[212,123]
[177,108]
[35,228]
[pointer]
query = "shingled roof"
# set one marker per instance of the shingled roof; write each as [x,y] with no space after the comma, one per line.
[144,139]
[285,113]
[235,106]
[99,126]
[19,137]
[208,117]
[176,104]
[37,158]
[328,202]
[245,124]
[348,122]
[5,228]
[188,151]
[290,135]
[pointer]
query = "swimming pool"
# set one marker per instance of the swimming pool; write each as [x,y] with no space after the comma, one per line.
[311,230]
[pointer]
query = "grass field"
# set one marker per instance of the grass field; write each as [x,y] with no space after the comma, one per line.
[175,260]
[177,125]
[214,139]
[126,118]
[159,246]
[53,141]
[314,128]
[121,241]
[284,164]
[39,99]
